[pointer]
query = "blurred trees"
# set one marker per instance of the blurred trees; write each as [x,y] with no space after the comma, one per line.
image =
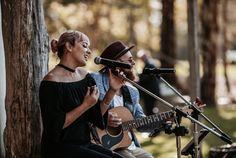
[193,49]
[168,40]
[26,54]
[225,41]
[214,45]
[210,30]
[150,24]
[104,21]
[157,25]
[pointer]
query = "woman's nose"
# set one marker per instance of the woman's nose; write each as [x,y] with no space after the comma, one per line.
[133,62]
[89,51]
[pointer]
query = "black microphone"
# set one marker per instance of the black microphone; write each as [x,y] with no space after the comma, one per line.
[158,70]
[111,63]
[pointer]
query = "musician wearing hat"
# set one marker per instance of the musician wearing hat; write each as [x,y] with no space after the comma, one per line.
[125,113]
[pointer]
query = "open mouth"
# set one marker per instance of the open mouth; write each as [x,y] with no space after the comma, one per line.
[86,57]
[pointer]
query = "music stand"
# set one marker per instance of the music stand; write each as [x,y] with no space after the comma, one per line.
[189,148]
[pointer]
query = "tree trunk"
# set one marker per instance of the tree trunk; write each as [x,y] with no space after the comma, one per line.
[26,51]
[2,90]
[210,31]
[168,45]
[193,49]
[225,43]
[194,63]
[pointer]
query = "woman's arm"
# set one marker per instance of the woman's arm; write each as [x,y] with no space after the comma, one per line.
[90,100]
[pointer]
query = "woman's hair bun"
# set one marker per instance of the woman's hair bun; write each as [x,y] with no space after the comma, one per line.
[54,45]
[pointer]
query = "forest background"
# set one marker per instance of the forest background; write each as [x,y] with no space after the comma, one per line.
[142,23]
[200,47]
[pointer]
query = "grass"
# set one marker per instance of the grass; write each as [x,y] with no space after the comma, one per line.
[164,145]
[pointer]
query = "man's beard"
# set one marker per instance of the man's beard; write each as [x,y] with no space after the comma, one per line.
[129,74]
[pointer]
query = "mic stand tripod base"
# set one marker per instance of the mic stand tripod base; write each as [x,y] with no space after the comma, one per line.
[178,131]
[189,148]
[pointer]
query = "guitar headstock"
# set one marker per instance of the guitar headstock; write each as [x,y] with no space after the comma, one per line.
[200,105]
[197,106]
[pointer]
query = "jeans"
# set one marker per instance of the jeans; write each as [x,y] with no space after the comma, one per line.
[136,153]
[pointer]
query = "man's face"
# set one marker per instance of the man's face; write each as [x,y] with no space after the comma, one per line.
[128,58]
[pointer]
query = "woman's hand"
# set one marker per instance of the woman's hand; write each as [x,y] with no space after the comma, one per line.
[91,96]
[113,119]
[90,100]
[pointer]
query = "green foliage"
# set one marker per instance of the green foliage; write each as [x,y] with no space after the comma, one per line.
[106,20]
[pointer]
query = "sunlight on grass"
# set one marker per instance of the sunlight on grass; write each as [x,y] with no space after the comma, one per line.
[227,113]
[234,134]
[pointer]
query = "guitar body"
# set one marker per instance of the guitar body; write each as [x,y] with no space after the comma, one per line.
[119,137]
[114,137]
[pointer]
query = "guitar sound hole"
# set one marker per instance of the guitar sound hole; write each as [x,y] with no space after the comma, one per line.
[114,130]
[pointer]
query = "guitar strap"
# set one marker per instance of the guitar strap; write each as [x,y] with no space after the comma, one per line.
[127,99]
[129,104]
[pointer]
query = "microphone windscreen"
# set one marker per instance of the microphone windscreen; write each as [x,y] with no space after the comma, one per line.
[97,60]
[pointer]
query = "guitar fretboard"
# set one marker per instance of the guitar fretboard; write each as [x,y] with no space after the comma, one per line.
[147,120]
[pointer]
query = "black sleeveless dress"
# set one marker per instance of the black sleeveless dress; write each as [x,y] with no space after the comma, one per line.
[58,98]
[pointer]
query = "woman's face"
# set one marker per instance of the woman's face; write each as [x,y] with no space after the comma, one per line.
[80,51]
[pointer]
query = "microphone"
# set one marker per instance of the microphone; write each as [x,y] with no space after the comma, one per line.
[158,70]
[111,63]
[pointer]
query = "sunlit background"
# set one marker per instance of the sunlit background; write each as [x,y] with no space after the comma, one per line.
[139,22]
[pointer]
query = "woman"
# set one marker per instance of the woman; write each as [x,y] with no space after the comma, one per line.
[68,101]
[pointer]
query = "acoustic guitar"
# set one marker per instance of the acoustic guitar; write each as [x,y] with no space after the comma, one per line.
[119,137]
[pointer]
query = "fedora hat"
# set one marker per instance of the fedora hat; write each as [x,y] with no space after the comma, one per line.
[115,50]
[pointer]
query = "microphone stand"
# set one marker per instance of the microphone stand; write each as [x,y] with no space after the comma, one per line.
[189,148]
[196,112]
[192,106]
[178,111]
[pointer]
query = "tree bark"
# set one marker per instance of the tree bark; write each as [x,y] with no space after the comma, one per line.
[194,63]
[193,49]
[210,31]
[168,45]
[2,90]
[225,43]
[26,53]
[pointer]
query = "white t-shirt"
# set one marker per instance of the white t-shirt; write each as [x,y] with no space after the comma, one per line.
[119,101]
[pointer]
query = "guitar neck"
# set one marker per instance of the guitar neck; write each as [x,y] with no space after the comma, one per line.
[146,120]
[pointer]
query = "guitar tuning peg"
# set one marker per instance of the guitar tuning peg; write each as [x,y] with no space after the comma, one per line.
[198,100]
